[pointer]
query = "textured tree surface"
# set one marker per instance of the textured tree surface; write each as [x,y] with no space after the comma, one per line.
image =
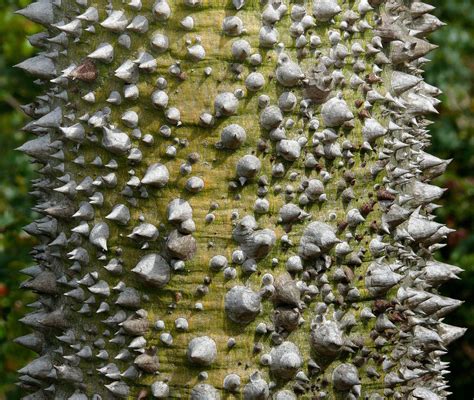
[236,202]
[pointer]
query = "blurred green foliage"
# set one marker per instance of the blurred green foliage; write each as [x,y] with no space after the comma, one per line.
[451,69]
[15,174]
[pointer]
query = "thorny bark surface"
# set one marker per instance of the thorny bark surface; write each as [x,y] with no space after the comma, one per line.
[235,202]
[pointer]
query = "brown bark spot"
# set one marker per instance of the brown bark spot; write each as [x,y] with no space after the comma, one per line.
[383,194]
[374,226]
[396,316]
[86,72]
[349,177]
[349,273]
[143,394]
[367,208]
[348,125]
[363,114]
[342,225]
[366,88]
[262,146]
[372,78]
[358,103]
[380,306]
[316,92]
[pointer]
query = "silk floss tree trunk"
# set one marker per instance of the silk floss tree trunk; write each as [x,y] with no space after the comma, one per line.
[235,202]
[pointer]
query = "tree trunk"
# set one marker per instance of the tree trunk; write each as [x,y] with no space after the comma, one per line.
[235,202]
